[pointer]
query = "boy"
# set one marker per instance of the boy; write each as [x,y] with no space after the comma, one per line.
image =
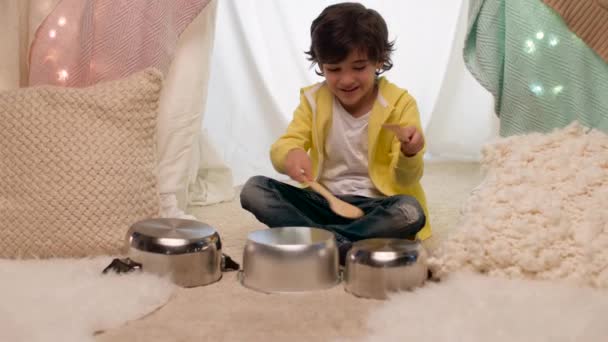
[338,137]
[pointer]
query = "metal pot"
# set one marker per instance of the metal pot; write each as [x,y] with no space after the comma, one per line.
[290,259]
[186,250]
[377,267]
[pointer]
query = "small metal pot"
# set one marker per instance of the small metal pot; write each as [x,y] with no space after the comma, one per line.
[189,251]
[377,267]
[290,259]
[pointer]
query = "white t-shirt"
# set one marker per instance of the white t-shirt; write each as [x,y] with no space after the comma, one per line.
[345,169]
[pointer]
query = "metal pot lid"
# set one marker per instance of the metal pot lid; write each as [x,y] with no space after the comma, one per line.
[386,252]
[172,236]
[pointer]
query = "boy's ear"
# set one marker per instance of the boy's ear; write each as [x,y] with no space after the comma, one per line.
[379,66]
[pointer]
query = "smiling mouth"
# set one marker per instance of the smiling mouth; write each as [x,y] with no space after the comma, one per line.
[349,90]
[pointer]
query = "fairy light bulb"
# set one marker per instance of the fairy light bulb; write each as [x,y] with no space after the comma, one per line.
[557,89]
[537,89]
[62,75]
[530,46]
[553,41]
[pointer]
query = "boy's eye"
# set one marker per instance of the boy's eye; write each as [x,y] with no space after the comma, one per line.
[332,69]
[359,68]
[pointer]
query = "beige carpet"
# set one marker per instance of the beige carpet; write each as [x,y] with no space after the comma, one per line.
[226,311]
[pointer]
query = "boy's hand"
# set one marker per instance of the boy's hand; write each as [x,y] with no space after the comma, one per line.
[410,137]
[298,165]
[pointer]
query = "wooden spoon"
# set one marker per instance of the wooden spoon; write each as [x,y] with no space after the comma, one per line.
[337,205]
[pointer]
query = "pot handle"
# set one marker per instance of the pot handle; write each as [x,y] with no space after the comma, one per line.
[125,265]
[228,264]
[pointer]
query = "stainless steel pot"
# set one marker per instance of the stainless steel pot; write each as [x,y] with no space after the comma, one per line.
[186,250]
[290,259]
[377,267]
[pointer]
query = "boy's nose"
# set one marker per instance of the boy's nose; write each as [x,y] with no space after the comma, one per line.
[347,81]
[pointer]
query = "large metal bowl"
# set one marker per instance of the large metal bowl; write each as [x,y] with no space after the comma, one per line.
[186,250]
[290,259]
[377,267]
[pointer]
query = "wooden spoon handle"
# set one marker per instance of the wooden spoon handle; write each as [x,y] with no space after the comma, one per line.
[322,191]
[337,205]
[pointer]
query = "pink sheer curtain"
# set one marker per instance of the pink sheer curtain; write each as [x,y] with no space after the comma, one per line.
[83,42]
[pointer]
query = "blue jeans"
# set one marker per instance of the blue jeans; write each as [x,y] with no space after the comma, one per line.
[277,204]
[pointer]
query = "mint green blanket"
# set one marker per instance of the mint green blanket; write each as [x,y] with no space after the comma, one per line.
[542,75]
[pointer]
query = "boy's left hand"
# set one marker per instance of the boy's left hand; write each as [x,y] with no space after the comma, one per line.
[410,137]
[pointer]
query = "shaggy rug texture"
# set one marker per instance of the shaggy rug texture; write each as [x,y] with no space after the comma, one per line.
[475,308]
[70,300]
[540,213]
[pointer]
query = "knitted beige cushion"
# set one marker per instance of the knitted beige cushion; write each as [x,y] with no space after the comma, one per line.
[77,166]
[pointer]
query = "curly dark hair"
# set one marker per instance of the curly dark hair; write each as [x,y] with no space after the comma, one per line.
[347,27]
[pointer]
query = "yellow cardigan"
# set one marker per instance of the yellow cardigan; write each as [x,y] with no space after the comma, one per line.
[391,172]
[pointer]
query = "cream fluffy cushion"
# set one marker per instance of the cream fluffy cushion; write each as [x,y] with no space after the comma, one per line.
[540,212]
[77,166]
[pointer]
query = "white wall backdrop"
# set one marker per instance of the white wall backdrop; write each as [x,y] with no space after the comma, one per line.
[258,67]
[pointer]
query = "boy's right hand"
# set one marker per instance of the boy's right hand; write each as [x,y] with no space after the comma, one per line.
[298,165]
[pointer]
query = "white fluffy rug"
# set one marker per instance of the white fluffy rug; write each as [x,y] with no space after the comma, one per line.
[69,300]
[476,308]
[541,212]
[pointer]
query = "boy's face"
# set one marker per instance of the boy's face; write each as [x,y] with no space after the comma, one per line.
[352,81]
